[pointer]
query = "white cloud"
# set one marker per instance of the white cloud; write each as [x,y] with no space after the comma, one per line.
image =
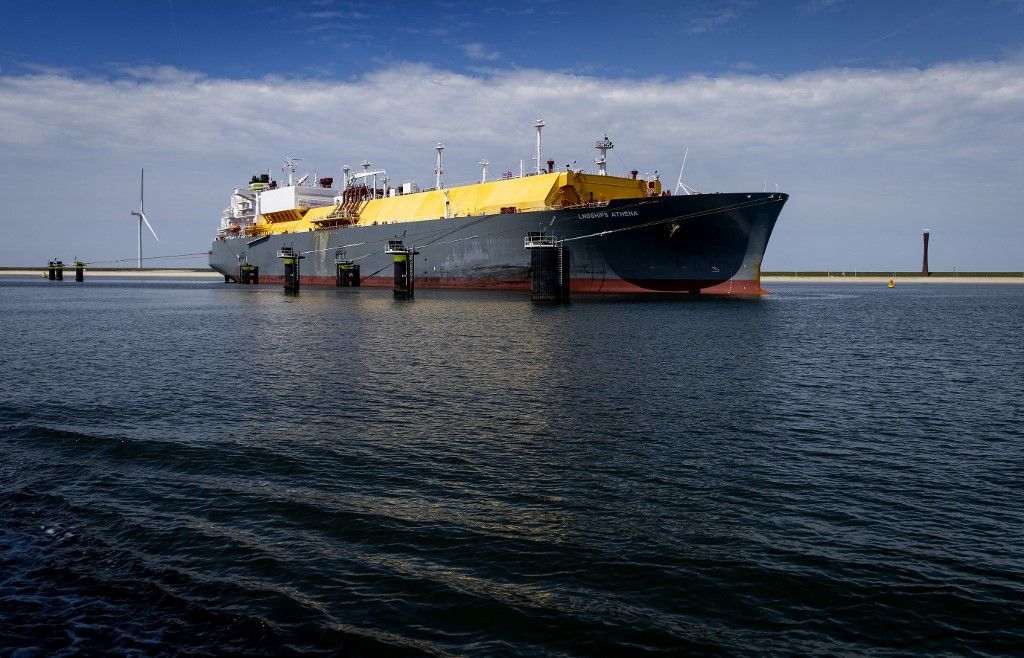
[869,156]
[713,17]
[158,73]
[819,6]
[333,14]
[329,13]
[479,51]
[711,21]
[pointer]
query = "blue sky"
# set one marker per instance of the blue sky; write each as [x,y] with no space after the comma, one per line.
[326,38]
[880,118]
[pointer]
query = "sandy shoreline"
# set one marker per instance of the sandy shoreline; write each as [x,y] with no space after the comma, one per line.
[899,281]
[69,272]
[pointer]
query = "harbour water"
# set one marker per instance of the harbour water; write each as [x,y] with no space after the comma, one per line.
[190,467]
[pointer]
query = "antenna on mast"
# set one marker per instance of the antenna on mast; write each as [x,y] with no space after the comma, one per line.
[538,124]
[438,172]
[366,175]
[603,145]
[290,165]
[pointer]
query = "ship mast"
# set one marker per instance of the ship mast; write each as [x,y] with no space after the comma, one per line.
[603,145]
[538,124]
[437,170]
[290,165]
[483,176]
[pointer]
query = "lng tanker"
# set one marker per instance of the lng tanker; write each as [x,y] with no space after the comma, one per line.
[624,234]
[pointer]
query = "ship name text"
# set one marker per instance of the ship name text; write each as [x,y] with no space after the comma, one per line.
[617,213]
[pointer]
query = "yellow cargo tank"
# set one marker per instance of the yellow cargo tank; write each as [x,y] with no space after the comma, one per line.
[552,190]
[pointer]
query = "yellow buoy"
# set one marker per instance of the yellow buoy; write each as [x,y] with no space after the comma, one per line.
[891,284]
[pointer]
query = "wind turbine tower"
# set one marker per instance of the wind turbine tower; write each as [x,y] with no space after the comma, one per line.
[141,214]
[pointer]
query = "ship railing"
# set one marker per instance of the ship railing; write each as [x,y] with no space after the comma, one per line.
[570,206]
[535,240]
[340,213]
[589,204]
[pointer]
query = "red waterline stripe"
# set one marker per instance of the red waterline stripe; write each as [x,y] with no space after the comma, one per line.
[743,287]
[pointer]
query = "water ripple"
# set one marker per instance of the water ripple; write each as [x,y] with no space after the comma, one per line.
[211,470]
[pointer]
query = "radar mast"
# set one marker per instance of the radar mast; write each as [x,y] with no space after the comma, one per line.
[603,145]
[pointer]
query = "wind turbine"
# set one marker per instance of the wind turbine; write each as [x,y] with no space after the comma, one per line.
[680,185]
[141,214]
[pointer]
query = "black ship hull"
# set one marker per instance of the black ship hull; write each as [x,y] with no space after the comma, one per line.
[692,243]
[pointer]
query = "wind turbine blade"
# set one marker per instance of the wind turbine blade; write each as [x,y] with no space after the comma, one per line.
[142,191]
[148,225]
[679,182]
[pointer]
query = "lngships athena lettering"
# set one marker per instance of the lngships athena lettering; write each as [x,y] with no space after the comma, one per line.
[624,234]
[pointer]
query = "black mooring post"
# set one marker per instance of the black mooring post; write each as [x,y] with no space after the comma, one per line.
[291,274]
[403,285]
[544,275]
[51,271]
[347,274]
[549,268]
[79,271]
[346,270]
[247,274]
[59,266]
[291,260]
[405,269]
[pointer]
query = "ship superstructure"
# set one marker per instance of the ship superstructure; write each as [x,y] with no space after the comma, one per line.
[627,233]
